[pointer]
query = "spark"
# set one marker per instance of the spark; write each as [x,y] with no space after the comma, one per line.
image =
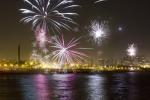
[85,48]
[120,29]
[50,14]
[66,53]
[99,1]
[132,51]
[98,31]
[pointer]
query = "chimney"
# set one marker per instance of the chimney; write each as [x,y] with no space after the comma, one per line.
[19,58]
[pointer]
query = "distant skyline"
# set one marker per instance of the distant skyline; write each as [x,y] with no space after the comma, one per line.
[129,22]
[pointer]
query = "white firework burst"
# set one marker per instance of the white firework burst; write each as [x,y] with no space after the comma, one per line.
[98,31]
[132,50]
[66,53]
[54,15]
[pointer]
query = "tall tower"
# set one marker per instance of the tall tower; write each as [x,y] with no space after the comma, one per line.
[19,55]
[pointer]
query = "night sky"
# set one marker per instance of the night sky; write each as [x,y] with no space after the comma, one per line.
[132,16]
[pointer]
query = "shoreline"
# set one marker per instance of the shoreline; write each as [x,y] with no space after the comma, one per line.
[67,72]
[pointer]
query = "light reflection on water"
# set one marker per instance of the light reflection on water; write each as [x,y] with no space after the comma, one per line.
[41,86]
[95,88]
[104,86]
[63,88]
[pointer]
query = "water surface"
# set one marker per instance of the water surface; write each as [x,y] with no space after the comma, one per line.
[103,86]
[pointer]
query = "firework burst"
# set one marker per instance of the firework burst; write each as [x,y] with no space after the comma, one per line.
[66,53]
[50,14]
[132,51]
[98,31]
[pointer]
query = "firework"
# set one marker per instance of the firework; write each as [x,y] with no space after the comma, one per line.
[132,51]
[66,53]
[50,14]
[41,38]
[98,31]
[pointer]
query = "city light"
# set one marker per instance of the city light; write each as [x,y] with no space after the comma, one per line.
[33,66]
